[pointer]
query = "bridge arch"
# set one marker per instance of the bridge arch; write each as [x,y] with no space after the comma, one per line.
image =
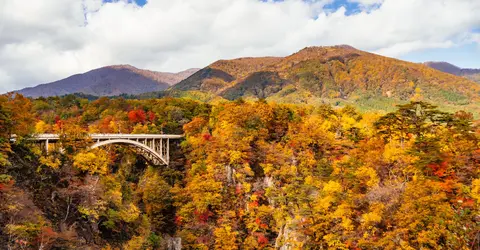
[155,148]
[142,149]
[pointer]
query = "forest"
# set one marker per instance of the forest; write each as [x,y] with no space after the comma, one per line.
[247,175]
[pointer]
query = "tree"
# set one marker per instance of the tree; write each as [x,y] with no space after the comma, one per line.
[95,161]
[137,116]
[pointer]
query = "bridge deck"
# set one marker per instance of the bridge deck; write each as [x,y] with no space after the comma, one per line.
[53,137]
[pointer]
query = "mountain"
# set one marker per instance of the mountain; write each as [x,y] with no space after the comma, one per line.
[337,74]
[109,81]
[473,74]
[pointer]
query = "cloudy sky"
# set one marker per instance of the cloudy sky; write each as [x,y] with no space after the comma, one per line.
[46,40]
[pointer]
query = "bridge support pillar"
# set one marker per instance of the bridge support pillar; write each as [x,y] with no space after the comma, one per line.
[168,150]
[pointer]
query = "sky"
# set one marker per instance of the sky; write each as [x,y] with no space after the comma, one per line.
[47,40]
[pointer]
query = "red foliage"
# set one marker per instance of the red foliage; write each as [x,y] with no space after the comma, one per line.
[259,193]
[207,137]
[253,204]
[48,232]
[338,157]
[21,242]
[178,220]
[463,202]
[105,124]
[59,122]
[238,189]
[47,236]
[439,169]
[470,203]
[203,216]
[151,116]
[447,186]
[262,240]
[203,239]
[137,116]
[6,186]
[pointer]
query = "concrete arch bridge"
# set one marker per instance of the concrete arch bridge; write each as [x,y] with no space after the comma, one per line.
[155,148]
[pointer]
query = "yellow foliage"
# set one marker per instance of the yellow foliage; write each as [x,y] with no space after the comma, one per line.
[140,129]
[348,122]
[205,191]
[371,218]
[93,211]
[476,189]
[418,95]
[324,203]
[309,180]
[347,224]
[344,212]
[332,187]
[94,161]
[135,243]
[225,238]
[129,213]
[93,129]
[113,190]
[114,126]
[41,127]
[107,247]
[369,174]
[267,168]
[235,156]
[334,242]
[50,161]
[393,151]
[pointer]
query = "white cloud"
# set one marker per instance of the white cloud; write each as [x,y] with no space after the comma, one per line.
[46,40]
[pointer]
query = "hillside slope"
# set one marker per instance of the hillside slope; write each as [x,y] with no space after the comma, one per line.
[338,74]
[109,81]
[473,74]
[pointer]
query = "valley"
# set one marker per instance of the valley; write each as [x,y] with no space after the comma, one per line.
[328,148]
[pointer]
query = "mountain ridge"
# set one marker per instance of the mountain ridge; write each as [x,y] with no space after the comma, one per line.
[109,81]
[341,69]
[470,73]
[329,74]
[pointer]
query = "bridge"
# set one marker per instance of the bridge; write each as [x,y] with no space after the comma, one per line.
[155,148]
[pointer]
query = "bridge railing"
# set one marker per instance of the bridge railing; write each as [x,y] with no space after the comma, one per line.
[110,136]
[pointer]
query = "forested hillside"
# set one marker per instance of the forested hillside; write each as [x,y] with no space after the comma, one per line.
[248,175]
[337,75]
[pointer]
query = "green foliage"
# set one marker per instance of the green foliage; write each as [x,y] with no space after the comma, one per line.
[5,178]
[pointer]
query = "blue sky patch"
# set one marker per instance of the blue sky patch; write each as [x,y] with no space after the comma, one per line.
[352,8]
[465,56]
[138,2]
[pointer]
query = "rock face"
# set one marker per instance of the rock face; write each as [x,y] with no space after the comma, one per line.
[330,74]
[173,243]
[473,74]
[109,81]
